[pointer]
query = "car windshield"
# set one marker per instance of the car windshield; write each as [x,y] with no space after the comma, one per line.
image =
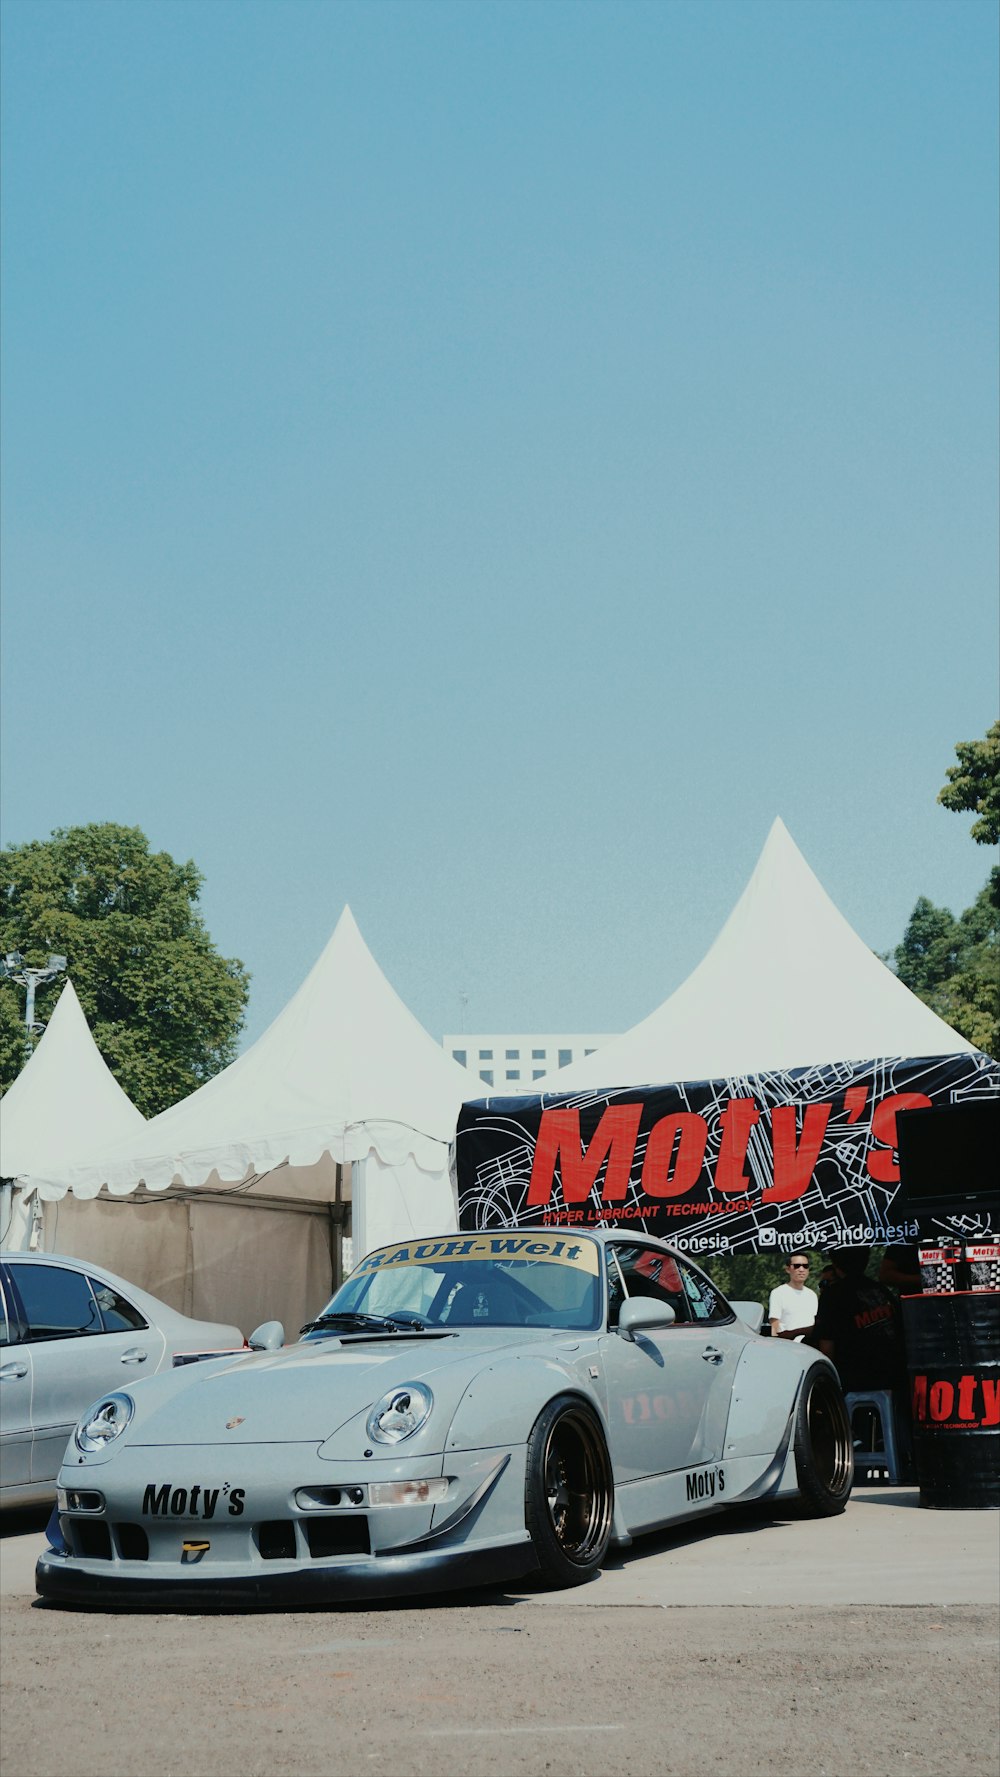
[510,1279]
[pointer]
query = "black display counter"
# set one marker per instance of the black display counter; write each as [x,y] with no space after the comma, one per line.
[953,1355]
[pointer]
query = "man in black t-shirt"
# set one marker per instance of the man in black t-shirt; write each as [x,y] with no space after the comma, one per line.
[858,1326]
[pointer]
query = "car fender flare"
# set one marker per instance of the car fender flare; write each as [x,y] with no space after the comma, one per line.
[765,1389]
[502,1402]
[770,1480]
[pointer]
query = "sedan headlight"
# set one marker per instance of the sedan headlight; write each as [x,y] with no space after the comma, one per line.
[104,1422]
[400,1413]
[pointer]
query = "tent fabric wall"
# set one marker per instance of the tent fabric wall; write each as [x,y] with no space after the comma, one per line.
[237,1260]
[268,1250]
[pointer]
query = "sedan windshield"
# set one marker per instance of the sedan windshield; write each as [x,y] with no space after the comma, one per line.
[511,1279]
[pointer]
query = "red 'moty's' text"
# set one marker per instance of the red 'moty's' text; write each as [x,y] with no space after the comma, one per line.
[676,1158]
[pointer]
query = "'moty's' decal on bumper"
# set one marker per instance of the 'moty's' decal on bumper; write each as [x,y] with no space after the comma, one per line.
[165,1501]
[705,1483]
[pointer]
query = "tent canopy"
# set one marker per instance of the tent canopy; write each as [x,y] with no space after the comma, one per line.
[344,1070]
[65,1101]
[788,983]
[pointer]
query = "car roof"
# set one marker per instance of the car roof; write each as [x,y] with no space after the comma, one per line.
[10,1256]
[153,1306]
[600,1236]
[35,1258]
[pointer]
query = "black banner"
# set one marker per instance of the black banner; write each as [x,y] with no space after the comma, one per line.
[775,1160]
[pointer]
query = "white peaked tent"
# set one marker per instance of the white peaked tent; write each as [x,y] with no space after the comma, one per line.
[344,1070]
[344,1077]
[65,1102]
[787,984]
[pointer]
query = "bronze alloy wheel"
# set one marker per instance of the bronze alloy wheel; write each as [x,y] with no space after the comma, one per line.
[578,1489]
[824,1452]
[830,1434]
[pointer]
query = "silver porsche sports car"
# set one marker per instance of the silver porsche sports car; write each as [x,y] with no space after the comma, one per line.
[470,1408]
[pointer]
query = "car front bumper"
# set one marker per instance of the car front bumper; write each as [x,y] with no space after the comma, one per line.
[142,1549]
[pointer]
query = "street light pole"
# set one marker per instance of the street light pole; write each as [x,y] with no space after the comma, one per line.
[14,967]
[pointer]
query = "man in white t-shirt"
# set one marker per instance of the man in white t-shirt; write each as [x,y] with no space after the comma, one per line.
[792,1306]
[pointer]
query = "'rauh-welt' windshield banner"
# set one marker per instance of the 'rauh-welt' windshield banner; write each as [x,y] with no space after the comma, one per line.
[805,1156]
[550,1249]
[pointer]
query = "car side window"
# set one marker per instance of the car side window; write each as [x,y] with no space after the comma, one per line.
[706,1302]
[58,1303]
[644,1271]
[5,1332]
[117,1315]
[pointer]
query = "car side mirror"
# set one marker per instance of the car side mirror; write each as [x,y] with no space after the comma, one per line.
[750,1313]
[644,1314]
[269,1336]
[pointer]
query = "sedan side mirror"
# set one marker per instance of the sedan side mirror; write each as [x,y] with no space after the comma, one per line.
[644,1314]
[269,1336]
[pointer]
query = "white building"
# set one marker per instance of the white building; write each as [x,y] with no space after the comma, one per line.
[510,1064]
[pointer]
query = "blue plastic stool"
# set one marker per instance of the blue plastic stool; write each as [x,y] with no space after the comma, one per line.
[877,1403]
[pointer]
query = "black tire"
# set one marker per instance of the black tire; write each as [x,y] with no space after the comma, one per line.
[824,1452]
[569,1492]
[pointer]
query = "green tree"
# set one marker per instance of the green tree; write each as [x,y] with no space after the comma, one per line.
[164,1007]
[750,1277]
[973,785]
[953,965]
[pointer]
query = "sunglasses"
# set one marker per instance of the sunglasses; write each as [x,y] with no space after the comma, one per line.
[795,1266]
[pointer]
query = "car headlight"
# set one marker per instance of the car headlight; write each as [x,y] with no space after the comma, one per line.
[104,1422]
[400,1413]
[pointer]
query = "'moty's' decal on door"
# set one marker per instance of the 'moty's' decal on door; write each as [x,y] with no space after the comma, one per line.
[705,1483]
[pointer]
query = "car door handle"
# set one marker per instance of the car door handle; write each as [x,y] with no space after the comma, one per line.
[712,1354]
[135,1356]
[9,1372]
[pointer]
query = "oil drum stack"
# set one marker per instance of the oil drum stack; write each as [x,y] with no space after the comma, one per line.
[953,1351]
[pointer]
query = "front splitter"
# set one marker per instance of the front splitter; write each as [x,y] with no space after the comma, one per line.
[64,1580]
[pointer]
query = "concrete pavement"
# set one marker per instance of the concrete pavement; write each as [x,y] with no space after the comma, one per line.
[736,1646]
[884,1549]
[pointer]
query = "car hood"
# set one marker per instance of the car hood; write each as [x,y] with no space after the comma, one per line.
[307,1392]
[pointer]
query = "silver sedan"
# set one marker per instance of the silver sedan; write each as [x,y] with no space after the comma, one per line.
[69,1329]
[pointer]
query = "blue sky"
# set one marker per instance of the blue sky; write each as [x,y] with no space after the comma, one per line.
[481,462]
